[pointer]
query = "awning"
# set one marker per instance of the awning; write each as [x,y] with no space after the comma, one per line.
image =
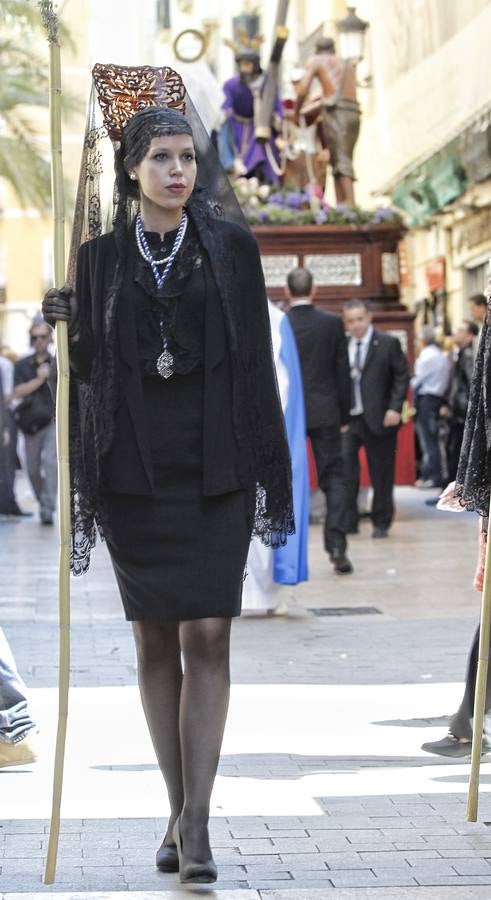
[436,183]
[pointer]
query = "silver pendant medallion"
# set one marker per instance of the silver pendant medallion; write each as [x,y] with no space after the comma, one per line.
[165,363]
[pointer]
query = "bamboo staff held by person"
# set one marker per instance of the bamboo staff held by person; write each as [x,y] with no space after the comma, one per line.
[469,727]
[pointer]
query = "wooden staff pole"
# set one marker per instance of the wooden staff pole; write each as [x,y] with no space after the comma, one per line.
[62,394]
[262,130]
[480,694]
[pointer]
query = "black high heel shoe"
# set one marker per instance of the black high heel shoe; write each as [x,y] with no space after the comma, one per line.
[193,872]
[167,859]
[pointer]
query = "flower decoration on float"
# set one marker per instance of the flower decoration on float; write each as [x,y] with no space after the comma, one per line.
[266,205]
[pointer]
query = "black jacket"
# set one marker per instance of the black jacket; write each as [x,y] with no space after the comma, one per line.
[244,441]
[325,366]
[25,369]
[3,415]
[243,433]
[384,380]
[459,388]
[128,468]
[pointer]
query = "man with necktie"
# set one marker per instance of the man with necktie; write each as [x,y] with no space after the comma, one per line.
[379,383]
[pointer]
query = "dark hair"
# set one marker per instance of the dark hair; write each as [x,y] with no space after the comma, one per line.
[325,44]
[249,55]
[39,321]
[137,136]
[472,328]
[356,304]
[427,335]
[138,133]
[478,300]
[300,282]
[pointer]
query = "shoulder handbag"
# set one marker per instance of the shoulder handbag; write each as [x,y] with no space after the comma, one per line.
[34,413]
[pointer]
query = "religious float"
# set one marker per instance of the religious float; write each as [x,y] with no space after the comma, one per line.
[351,254]
[280,156]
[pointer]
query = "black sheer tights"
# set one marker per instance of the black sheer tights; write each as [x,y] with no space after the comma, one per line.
[186,709]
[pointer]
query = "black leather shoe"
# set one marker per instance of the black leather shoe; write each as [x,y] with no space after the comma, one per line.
[453,747]
[380,532]
[340,562]
[167,859]
[193,872]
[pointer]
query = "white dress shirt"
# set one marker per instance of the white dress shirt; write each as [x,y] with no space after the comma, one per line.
[364,342]
[301,301]
[431,372]
[6,375]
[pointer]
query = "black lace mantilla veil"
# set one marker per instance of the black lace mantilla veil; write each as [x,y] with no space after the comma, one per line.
[117,94]
[472,485]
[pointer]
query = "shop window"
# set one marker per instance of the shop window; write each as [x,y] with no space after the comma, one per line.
[476,278]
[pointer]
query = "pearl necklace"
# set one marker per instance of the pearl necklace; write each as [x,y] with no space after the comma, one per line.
[165,362]
[147,254]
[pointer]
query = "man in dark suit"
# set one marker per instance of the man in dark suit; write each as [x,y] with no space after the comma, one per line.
[379,379]
[326,381]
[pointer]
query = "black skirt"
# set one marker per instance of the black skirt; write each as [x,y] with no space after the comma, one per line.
[178,555]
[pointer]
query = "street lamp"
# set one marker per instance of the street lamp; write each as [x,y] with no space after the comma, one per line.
[352,36]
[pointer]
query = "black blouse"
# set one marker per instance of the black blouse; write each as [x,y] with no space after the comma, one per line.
[176,310]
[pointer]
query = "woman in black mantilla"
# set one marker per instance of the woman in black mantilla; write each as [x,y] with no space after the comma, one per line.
[177,451]
[471,491]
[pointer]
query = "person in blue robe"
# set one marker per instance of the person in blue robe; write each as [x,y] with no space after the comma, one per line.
[268,570]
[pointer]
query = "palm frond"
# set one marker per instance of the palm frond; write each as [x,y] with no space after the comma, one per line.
[24,84]
[13,95]
[25,15]
[20,13]
[27,172]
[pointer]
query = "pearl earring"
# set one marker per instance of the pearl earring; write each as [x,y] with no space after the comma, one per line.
[133,176]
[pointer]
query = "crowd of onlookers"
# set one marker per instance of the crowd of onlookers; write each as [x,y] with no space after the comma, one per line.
[335,397]
[441,385]
[355,383]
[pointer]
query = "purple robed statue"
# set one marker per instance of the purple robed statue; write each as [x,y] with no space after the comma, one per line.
[239,149]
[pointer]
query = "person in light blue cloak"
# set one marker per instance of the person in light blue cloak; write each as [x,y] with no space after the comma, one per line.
[268,570]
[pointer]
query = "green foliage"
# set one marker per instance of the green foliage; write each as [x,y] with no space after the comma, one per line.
[30,15]
[23,77]
[24,83]
[20,14]
[27,172]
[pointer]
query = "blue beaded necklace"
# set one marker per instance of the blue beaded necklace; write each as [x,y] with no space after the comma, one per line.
[165,362]
[147,253]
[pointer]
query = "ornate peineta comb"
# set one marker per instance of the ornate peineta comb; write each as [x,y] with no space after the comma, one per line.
[124,90]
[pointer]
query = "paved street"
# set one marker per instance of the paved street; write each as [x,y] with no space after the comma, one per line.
[322,789]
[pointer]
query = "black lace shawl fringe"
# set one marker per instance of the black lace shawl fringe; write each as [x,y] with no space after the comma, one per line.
[472,485]
[259,429]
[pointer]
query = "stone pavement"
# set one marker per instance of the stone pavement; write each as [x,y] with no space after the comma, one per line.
[322,789]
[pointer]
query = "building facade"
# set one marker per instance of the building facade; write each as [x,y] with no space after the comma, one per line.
[425,144]
[117,31]
[425,92]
